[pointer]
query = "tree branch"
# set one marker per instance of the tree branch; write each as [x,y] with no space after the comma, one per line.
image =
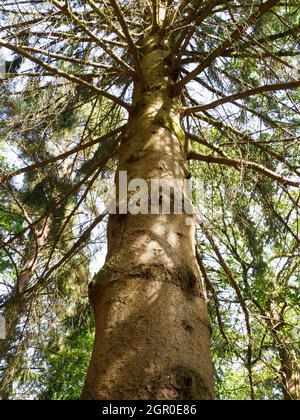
[235,36]
[68,12]
[132,47]
[242,95]
[63,155]
[185,37]
[67,76]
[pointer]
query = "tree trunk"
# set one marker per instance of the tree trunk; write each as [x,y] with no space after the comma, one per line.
[152,325]
[15,308]
[290,372]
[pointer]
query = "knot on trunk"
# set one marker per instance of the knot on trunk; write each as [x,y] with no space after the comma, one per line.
[188,384]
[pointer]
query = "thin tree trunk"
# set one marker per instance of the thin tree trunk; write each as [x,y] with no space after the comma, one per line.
[152,325]
[14,309]
[290,369]
[290,373]
[17,305]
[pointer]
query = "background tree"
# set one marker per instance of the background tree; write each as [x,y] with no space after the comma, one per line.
[157,85]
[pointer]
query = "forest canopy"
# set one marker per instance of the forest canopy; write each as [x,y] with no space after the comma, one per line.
[204,91]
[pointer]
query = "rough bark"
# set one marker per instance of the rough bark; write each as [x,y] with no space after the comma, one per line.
[152,326]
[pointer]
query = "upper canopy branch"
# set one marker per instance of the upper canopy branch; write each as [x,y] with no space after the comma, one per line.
[55,71]
[132,47]
[178,10]
[62,156]
[294,30]
[70,59]
[67,12]
[105,18]
[187,33]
